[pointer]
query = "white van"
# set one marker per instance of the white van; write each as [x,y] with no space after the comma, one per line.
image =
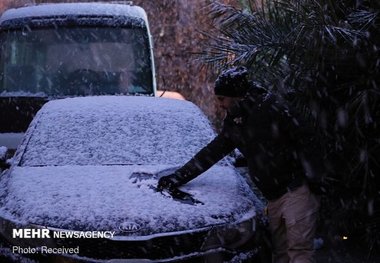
[60,50]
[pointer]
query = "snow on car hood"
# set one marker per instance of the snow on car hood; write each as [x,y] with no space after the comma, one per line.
[104,197]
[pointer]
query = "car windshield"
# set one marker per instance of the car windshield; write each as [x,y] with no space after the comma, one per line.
[75,61]
[116,130]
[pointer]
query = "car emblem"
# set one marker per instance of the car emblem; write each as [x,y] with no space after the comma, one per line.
[129,227]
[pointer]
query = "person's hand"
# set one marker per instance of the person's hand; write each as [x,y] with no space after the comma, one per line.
[167,182]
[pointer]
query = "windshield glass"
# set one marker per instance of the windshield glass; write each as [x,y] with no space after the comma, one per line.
[75,61]
[108,130]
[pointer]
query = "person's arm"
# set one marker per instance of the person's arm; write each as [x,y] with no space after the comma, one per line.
[218,148]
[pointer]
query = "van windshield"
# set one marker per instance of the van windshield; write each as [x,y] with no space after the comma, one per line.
[75,61]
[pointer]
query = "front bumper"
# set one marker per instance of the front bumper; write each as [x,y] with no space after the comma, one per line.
[210,244]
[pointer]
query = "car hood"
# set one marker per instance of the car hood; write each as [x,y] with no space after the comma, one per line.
[106,198]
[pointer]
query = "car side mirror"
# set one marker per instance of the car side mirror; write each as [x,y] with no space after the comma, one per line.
[3,158]
[4,165]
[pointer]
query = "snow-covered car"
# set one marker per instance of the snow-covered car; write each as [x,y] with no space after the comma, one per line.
[92,164]
[57,50]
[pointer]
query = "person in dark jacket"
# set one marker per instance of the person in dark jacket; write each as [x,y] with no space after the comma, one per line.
[281,155]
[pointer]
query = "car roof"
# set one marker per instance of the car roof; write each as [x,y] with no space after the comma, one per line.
[63,9]
[115,104]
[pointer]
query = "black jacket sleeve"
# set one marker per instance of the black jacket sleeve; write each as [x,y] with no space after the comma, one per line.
[218,148]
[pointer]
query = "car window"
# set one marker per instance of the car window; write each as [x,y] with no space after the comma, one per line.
[76,61]
[124,130]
